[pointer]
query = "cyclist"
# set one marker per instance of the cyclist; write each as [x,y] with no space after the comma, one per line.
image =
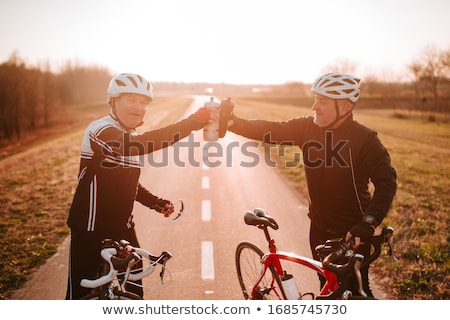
[341,157]
[108,181]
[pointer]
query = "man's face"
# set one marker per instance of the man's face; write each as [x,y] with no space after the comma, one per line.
[131,108]
[324,110]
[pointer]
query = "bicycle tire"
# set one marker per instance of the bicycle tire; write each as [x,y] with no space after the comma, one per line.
[248,267]
[118,295]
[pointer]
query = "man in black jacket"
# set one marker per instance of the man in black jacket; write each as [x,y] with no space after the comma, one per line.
[108,180]
[341,157]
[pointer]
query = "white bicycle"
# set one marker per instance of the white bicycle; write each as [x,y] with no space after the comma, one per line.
[124,265]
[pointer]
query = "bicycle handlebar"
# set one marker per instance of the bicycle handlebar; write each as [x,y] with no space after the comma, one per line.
[133,256]
[106,254]
[162,259]
[335,249]
[333,261]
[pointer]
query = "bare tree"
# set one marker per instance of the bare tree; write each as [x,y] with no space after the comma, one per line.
[80,84]
[431,79]
[11,98]
[343,65]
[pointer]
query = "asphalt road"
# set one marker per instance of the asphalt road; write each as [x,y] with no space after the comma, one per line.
[218,183]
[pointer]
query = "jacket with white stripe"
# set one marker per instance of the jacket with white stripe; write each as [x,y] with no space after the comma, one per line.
[108,181]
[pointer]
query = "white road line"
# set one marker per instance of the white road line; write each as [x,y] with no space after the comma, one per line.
[207,260]
[206,210]
[205,182]
[205,157]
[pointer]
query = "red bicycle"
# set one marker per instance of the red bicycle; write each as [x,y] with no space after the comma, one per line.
[264,276]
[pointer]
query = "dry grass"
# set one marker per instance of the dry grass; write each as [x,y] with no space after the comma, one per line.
[35,194]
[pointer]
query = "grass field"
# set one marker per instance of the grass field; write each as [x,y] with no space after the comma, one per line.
[38,182]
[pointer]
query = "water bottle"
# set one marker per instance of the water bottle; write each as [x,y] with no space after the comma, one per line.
[226,107]
[211,130]
[290,287]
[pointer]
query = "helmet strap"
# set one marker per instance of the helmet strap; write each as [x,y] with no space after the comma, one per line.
[338,116]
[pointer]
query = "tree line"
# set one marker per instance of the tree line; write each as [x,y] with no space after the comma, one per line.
[33,97]
[431,79]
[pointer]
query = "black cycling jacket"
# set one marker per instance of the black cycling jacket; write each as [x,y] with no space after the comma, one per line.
[108,181]
[339,164]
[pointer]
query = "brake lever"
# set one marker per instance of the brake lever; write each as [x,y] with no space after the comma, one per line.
[357,266]
[390,251]
[165,258]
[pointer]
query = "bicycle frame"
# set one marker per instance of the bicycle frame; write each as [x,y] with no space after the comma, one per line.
[274,259]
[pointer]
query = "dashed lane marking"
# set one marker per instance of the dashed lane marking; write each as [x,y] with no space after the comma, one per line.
[205,182]
[206,210]
[207,260]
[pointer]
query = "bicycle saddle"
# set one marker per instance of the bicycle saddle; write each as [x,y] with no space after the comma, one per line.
[260,218]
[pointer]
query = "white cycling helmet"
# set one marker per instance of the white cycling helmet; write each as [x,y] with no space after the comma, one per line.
[337,86]
[129,83]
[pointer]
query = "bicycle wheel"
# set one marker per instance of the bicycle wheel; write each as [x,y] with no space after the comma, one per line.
[249,267]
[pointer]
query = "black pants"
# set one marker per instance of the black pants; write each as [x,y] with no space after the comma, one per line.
[85,259]
[319,235]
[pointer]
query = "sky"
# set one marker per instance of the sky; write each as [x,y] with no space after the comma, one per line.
[231,41]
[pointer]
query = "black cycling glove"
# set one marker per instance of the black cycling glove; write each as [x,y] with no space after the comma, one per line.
[226,114]
[363,230]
